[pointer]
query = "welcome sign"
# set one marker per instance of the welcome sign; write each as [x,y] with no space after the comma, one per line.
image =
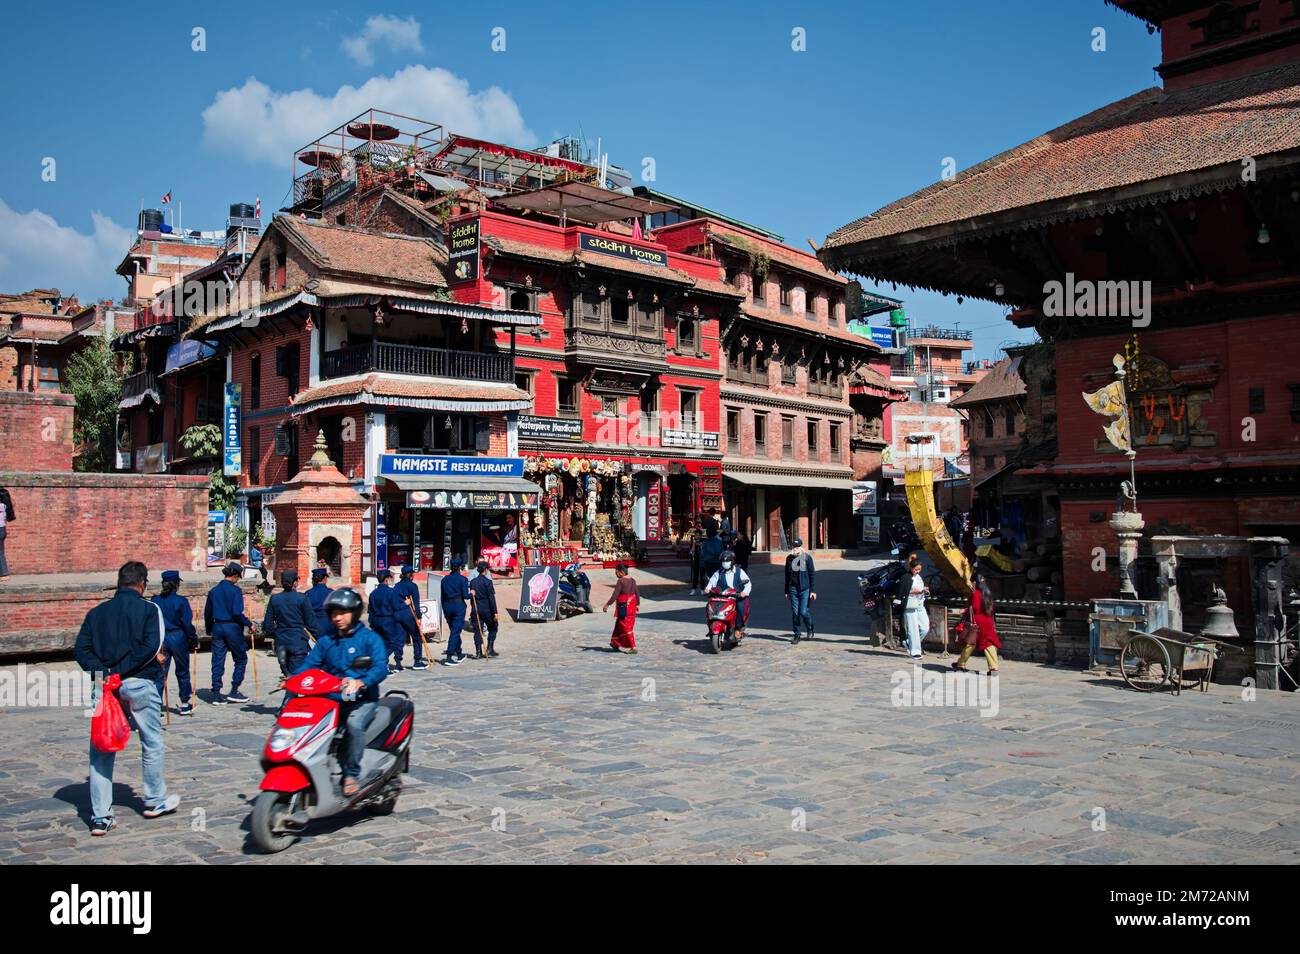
[612,246]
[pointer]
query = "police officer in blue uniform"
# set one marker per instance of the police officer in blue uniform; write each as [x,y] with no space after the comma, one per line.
[455,593]
[318,593]
[290,617]
[408,611]
[179,637]
[483,607]
[383,618]
[224,619]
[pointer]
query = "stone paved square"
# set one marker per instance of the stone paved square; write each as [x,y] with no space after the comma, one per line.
[676,755]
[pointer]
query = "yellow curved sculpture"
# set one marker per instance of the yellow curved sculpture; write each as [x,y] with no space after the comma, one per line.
[944,551]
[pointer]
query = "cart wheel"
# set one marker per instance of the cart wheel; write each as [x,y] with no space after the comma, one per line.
[1144,663]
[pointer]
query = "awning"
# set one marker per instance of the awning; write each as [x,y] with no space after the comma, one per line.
[788,480]
[584,202]
[476,485]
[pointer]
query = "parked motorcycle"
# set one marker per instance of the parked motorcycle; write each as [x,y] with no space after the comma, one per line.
[303,773]
[877,587]
[721,614]
[574,594]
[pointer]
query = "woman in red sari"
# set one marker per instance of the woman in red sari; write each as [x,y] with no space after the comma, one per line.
[980,612]
[628,598]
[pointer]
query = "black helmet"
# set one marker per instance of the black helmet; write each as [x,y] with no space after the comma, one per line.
[728,556]
[347,600]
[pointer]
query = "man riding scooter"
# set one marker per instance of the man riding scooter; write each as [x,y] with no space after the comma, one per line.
[347,640]
[733,578]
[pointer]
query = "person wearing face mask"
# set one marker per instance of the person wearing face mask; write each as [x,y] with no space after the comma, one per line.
[731,577]
[800,589]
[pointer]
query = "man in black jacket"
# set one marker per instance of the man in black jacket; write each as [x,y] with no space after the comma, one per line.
[800,588]
[123,636]
[290,617]
[6,518]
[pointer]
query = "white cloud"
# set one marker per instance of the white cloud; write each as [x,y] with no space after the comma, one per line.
[260,123]
[397,34]
[36,252]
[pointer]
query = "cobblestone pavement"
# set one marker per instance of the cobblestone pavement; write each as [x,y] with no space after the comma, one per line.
[772,753]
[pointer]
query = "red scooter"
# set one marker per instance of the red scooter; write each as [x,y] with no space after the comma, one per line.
[303,773]
[722,618]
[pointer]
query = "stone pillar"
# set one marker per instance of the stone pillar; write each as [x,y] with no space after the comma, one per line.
[319,507]
[1127,525]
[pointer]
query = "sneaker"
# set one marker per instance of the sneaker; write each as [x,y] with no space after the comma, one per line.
[451,661]
[237,697]
[165,807]
[420,664]
[218,699]
[187,708]
[493,654]
[693,591]
[102,826]
[796,640]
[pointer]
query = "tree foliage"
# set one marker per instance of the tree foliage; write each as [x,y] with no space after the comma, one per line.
[204,440]
[94,379]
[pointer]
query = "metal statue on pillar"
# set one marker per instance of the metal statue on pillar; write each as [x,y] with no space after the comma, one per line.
[1112,401]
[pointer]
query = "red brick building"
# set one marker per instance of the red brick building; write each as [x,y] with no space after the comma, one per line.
[1176,210]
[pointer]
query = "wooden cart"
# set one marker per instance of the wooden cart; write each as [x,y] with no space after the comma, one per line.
[1150,661]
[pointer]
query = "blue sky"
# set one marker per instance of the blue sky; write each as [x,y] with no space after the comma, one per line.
[798,142]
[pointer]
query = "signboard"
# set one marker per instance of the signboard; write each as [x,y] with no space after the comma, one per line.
[216,537]
[870,529]
[381,538]
[607,245]
[431,606]
[463,251]
[338,190]
[652,501]
[232,439]
[499,541]
[549,428]
[864,496]
[538,593]
[398,465]
[151,459]
[470,500]
[882,336]
[187,352]
[706,440]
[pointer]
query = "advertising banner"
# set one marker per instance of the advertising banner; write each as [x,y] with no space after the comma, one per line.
[463,251]
[398,465]
[538,593]
[233,464]
[549,428]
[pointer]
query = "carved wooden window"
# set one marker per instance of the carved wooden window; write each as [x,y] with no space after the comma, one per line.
[733,429]
[620,313]
[760,431]
[1225,21]
[566,396]
[690,409]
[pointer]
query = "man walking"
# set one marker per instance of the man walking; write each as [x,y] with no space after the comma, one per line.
[407,607]
[179,637]
[483,606]
[6,518]
[289,619]
[454,591]
[317,595]
[124,637]
[800,586]
[224,619]
[384,620]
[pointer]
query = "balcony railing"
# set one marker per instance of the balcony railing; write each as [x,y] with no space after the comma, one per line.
[381,356]
[138,384]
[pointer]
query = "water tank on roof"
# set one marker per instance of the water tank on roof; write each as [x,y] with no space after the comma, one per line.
[241,210]
[151,220]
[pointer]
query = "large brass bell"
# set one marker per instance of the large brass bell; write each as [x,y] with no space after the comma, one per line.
[1219,623]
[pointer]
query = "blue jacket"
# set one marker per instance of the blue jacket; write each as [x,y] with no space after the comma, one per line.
[335,654]
[796,580]
[223,613]
[485,594]
[122,635]
[403,590]
[290,617]
[455,592]
[382,608]
[177,615]
[318,594]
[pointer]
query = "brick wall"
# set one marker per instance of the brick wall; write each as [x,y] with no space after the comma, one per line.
[35,431]
[78,523]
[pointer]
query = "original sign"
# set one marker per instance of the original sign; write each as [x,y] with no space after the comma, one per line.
[549,428]
[538,593]
[463,251]
[612,246]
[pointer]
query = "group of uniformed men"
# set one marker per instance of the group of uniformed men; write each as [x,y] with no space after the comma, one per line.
[294,618]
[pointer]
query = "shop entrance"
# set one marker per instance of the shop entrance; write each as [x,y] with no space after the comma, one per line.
[681,503]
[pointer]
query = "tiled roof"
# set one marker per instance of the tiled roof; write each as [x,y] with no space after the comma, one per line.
[341,248]
[809,327]
[871,378]
[1148,136]
[415,208]
[1002,381]
[784,254]
[383,385]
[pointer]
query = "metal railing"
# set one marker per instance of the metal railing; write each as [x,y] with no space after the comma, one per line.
[382,356]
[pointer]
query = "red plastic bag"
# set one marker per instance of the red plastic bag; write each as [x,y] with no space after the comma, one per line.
[109,728]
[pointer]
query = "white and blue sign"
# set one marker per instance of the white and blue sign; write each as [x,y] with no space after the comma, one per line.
[231,426]
[187,352]
[421,465]
[882,336]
